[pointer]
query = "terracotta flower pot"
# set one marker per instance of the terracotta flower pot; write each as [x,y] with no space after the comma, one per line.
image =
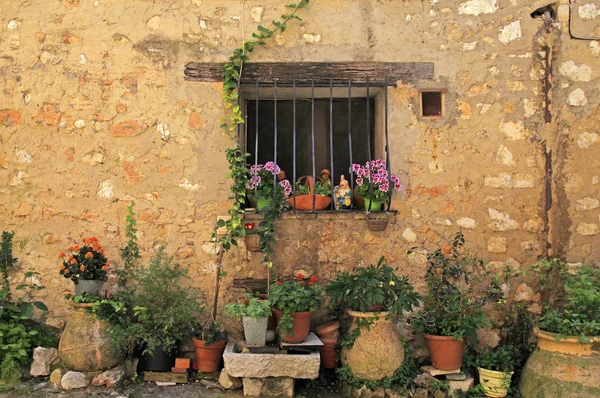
[329,330]
[562,366]
[301,327]
[446,352]
[328,354]
[208,357]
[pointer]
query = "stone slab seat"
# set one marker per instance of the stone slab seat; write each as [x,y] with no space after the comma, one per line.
[270,365]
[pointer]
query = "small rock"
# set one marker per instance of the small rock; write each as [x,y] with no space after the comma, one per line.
[424,380]
[256,13]
[72,380]
[458,376]
[109,378]
[409,235]
[79,123]
[467,223]
[510,32]
[462,385]
[57,375]
[577,98]
[421,393]
[586,140]
[228,382]
[43,359]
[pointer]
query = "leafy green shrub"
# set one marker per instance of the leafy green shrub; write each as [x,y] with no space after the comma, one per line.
[573,308]
[19,332]
[375,285]
[500,358]
[452,307]
[254,308]
[165,311]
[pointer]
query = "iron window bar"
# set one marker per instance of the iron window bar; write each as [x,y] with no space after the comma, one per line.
[294,85]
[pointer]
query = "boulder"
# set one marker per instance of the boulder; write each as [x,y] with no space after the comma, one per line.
[109,378]
[57,375]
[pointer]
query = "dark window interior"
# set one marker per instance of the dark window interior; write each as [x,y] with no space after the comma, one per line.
[285,148]
[431,103]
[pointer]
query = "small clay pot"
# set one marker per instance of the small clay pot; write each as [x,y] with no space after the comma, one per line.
[446,352]
[301,327]
[208,357]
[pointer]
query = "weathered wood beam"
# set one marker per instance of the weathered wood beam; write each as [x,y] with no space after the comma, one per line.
[305,72]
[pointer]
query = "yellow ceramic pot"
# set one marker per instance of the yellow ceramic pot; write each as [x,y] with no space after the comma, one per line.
[562,367]
[494,383]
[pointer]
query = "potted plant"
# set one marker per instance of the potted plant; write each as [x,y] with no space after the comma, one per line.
[496,367]
[86,266]
[255,315]
[374,297]
[451,312]
[293,303]
[303,197]
[328,334]
[374,183]
[209,345]
[165,311]
[568,333]
[262,180]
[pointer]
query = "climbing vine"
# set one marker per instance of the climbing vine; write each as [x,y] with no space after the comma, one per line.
[238,170]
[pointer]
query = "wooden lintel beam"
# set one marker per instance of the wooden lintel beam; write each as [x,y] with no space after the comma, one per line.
[320,72]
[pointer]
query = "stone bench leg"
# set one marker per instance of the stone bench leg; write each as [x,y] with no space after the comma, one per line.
[268,387]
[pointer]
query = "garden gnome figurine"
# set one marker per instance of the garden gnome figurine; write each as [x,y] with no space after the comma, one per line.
[325,176]
[343,194]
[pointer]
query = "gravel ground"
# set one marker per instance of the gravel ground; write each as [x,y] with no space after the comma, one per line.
[326,387]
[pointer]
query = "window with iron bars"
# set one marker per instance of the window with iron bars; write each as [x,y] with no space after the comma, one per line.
[306,128]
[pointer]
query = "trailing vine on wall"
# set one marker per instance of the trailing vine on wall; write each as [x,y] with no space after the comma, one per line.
[238,170]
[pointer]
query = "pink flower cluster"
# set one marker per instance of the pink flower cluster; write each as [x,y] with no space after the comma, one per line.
[376,173]
[271,168]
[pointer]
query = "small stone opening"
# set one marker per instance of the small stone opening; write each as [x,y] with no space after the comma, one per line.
[432,103]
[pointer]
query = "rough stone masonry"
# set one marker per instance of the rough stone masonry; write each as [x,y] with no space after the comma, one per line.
[95,113]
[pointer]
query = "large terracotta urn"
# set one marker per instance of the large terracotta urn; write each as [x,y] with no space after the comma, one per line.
[377,352]
[85,343]
[562,367]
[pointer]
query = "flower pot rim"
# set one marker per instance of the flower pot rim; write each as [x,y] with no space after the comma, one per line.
[439,337]
[376,314]
[200,343]
[557,337]
[299,312]
[497,373]
[328,327]
[254,317]
[328,342]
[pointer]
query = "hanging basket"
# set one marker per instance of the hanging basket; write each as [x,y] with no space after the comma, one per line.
[377,222]
[252,242]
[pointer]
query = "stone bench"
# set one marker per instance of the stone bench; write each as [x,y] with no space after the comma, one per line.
[270,374]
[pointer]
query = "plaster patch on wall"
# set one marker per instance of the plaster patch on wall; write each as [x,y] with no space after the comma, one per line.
[23,157]
[586,140]
[588,11]
[510,32]
[577,98]
[105,190]
[579,73]
[476,7]
[514,130]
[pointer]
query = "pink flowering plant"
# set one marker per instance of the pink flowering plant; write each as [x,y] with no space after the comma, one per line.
[374,182]
[262,177]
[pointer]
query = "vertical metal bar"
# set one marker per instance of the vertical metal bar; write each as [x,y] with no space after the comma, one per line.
[332,175]
[245,126]
[239,127]
[312,103]
[275,140]
[387,145]
[350,133]
[256,142]
[294,141]
[369,145]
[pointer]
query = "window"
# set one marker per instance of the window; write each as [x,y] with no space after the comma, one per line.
[306,131]
[432,103]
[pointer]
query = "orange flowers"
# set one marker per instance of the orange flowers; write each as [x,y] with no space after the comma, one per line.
[89,255]
[313,280]
[87,258]
[62,267]
[82,268]
[61,255]
[73,261]
[300,277]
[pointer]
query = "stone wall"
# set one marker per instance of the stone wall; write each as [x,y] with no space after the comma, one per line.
[95,113]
